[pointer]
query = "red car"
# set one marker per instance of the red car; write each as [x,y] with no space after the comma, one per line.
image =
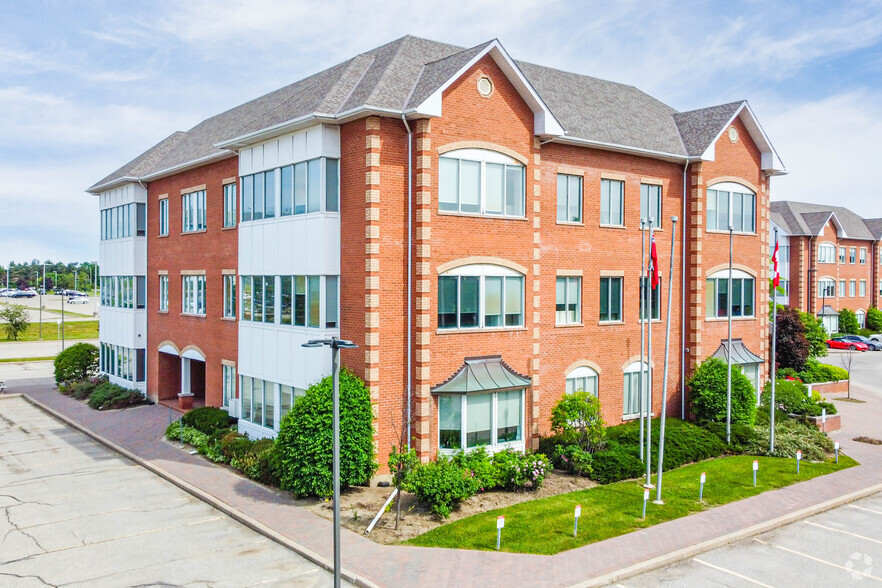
[841,343]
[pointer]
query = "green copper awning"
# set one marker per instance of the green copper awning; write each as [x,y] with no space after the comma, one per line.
[741,355]
[482,374]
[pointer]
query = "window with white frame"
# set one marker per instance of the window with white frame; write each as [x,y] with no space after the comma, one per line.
[288,395]
[717,294]
[230,200]
[784,253]
[126,220]
[122,362]
[827,253]
[731,203]
[163,293]
[650,203]
[229,296]
[163,217]
[479,181]
[193,295]
[569,198]
[852,255]
[861,316]
[632,388]
[229,384]
[612,202]
[193,211]
[751,371]
[123,291]
[473,420]
[610,299]
[259,299]
[309,301]
[480,296]
[852,288]
[258,401]
[655,294]
[784,284]
[582,378]
[304,187]
[842,253]
[568,307]
[862,288]
[843,288]
[863,256]
[827,288]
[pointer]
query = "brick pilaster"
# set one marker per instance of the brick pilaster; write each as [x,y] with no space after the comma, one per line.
[372,264]
[695,279]
[423,286]
[534,188]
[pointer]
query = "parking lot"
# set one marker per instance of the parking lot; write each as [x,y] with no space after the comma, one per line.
[76,514]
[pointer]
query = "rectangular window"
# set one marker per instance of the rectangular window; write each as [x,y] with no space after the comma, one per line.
[286,400]
[257,401]
[163,217]
[841,255]
[863,257]
[863,288]
[332,185]
[475,420]
[230,205]
[568,301]
[285,298]
[842,288]
[586,383]
[300,301]
[725,205]
[508,416]
[481,187]
[655,293]
[269,405]
[450,421]
[257,310]
[612,202]
[331,303]
[269,194]
[229,296]
[287,195]
[141,219]
[193,208]
[140,365]
[610,299]
[300,188]
[269,299]
[717,298]
[462,305]
[140,291]
[247,198]
[479,421]
[246,398]
[631,395]
[229,384]
[852,255]
[314,301]
[193,295]
[650,203]
[313,185]
[569,198]
[259,195]
[852,288]
[247,297]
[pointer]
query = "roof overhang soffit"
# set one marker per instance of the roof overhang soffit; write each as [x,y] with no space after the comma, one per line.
[544,122]
[770,162]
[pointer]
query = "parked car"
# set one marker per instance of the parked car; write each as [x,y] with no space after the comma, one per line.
[78,299]
[873,345]
[877,338]
[24,294]
[842,343]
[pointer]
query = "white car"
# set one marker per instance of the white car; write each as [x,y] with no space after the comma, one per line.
[78,300]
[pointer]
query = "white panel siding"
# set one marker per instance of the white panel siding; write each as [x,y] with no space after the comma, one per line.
[123,326]
[317,141]
[291,245]
[275,354]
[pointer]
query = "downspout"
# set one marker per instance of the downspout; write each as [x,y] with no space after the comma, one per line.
[683,301]
[409,271]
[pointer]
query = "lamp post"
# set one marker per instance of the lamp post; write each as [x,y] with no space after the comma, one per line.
[729,343]
[336,345]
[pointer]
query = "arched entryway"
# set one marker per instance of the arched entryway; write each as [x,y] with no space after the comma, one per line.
[181,375]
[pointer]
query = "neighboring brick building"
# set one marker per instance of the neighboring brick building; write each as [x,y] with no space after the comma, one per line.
[471,222]
[829,260]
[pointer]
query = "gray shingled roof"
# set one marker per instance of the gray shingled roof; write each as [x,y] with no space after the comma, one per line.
[403,73]
[803,218]
[875,226]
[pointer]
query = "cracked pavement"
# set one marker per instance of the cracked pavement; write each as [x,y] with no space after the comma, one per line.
[73,513]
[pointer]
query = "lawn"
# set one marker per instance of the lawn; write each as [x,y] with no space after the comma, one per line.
[21,359]
[545,526]
[72,330]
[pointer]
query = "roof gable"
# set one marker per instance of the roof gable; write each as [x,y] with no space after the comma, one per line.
[803,218]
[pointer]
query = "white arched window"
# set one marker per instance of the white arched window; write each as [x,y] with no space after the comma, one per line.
[479,181]
[582,378]
[827,288]
[480,296]
[861,317]
[827,253]
[717,294]
[730,202]
[631,396]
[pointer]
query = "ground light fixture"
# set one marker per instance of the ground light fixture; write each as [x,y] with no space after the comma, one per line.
[336,345]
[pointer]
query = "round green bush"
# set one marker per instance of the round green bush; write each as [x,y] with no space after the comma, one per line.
[576,417]
[305,440]
[708,386]
[441,485]
[208,419]
[77,362]
[479,462]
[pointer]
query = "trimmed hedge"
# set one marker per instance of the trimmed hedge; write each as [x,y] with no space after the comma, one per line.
[109,396]
[708,386]
[208,419]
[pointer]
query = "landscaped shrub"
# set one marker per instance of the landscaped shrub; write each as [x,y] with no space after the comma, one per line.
[874,320]
[109,396]
[188,435]
[684,442]
[479,462]
[518,470]
[208,419]
[815,334]
[305,438]
[82,389]
[77,362]
[15,319]
[260,462]
[548,444]
[441,485]
[576,418]
[615,464]
[792,435]
[792,345]
[708,386]
[741,435]
[848,322]
[572,459]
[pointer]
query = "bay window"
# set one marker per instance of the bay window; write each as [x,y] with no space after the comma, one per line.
[480,296]
[303,187]
[490,419]
[478,181]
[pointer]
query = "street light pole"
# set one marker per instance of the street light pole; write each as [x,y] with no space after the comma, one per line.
[729,343]
[336,345]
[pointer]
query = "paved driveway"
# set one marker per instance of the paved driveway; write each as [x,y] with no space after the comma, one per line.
[77,514]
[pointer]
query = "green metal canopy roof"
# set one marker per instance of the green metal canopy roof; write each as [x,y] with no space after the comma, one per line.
[482,374]
[740,354]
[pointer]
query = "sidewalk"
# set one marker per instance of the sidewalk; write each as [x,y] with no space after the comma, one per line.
[140,431]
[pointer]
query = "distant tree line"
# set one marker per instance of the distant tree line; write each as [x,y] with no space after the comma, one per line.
[58,275]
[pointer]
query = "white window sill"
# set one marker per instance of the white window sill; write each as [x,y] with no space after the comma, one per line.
[481,215]
[622,227]
[567,325]
[735,233]
[228,318]
[723,319]
[194,232]
[635,416]
[231,228]
[193,314]
[570,223]
[452,331]
[163,311]
[603,323]
[491,449]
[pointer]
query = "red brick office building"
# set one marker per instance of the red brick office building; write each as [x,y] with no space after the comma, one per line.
[471,222]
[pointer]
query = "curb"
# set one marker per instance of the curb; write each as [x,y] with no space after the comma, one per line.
[225,508]
[693,550]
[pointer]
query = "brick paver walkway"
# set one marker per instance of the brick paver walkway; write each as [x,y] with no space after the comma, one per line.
[140,431]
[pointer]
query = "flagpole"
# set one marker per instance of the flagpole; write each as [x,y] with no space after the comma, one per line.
[648,307]
[642,298]
[774,346]
[664,409]
[729,344]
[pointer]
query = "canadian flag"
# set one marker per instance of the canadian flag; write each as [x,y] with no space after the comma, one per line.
[653,263]
[776,280]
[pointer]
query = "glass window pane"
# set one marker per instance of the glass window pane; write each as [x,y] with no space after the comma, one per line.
[286,400]
[287,190]
[314,183]
[573,298]
[300,188]
[736,297]
[258,298]
[448,184]
[450,421]
[722,297]
[332,185]
[259,189]
[615,299]
[604,202]
[748,215]
[738,211]
[748,296]
[514,190]
[478,426]
[493,302]
[560,301]
[257,402]
[514,301]
[574,198]
[269,297]
[712,210]
[494,186]
[468,301]
[562,185]
[447,302]
[617,195]
[722,210]
[604,299]
[470,186]
[269,405]
[508,416]
[314,301]
[246,398]
[331,302]
[246,298]
[300,301]
[285,294]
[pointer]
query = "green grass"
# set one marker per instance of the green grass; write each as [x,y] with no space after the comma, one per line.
[20,359]
[545,526]
[68,313]
[72,330]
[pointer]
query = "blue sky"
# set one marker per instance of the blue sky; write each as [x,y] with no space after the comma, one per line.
[87,86]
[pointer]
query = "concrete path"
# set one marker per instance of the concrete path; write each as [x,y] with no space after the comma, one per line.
[79,514]
[140,432]
[25,349]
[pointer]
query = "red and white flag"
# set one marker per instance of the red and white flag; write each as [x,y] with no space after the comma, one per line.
[776,279]
[653,263]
